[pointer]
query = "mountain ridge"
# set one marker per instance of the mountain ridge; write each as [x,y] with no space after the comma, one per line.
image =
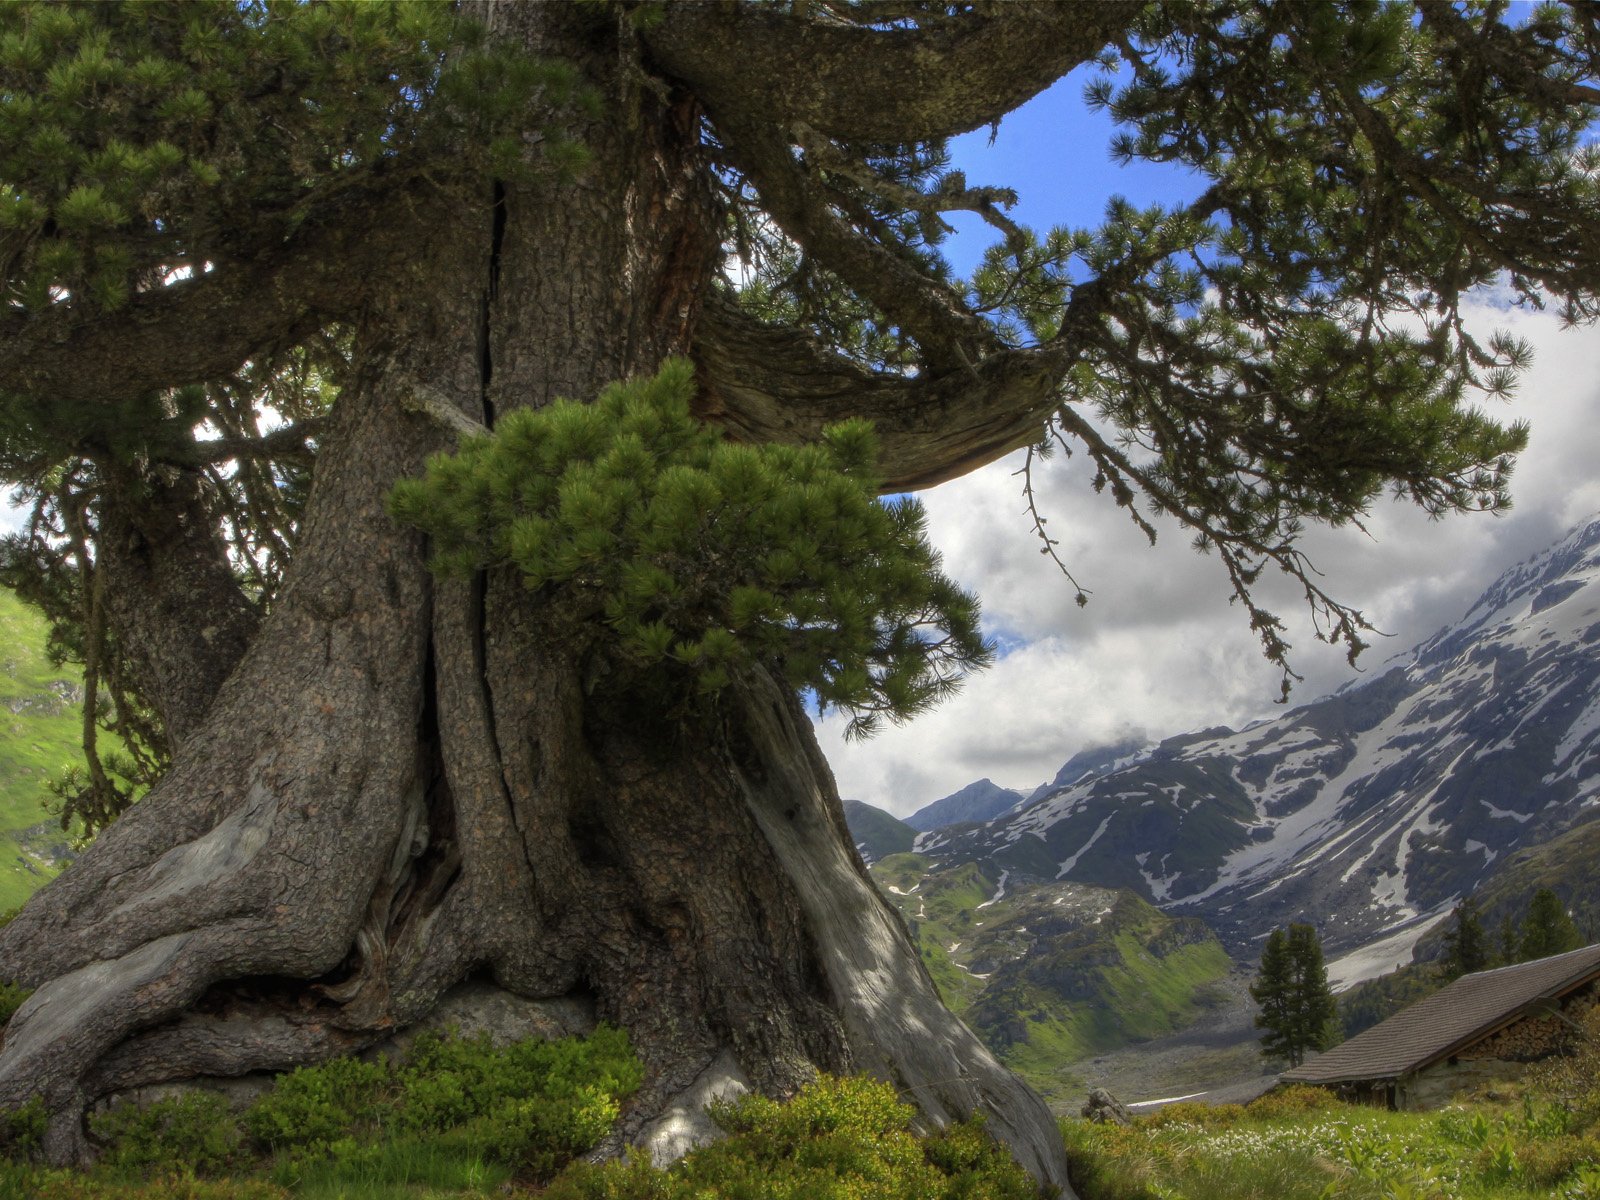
[1369,810]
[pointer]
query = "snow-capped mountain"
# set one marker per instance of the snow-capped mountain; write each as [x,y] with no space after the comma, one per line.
[1366,811]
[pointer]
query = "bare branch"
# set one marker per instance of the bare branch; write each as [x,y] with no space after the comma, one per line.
[286,443]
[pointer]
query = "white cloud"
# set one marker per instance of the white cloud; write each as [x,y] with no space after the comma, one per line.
[13,515]
[1159,649]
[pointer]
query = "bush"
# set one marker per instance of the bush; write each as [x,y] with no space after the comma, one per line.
[1548,1162]
[535,1105]
[1292,1101]
[192,1133]
[1202,1116]
[532,1106]
[1573,1081]
[63,1185]
[11,998]
[22,1129]
[839,1139]
[314,1106]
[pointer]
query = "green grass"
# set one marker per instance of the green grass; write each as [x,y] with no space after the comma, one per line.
[40,736]
[838,1139]
[402,1167]
[1303,1145]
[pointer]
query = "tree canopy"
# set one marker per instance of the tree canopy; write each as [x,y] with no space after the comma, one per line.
[195,196]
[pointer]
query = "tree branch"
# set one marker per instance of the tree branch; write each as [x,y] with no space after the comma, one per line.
[286,442]
[856,83]
[203,327]
[763,382]
[927,310]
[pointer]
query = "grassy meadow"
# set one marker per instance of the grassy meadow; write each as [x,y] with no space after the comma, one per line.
[460,1120]
[1302,1144]
[41,736]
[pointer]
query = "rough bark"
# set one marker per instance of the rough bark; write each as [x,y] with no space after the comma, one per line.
[170,592]
[406,784]
[861,83]
[763,383]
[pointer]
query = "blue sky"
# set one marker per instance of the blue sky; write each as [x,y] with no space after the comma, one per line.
[1160,650]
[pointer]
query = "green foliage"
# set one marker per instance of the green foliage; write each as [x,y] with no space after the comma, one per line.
[1298,1010]
[458,1114]
[1466,945]
[532,1107]
[12,997]
[700,555]
[838,1139]
[194,1133]
[1296,1100]
[22,1129]
[535,1105]
[1304,1144]
[138,137]
[1547,929]
[18,1182]
[392,1167]
[315,1106]
[41,730]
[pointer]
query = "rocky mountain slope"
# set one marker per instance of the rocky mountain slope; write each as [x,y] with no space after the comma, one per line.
[978,801]
[1368,811]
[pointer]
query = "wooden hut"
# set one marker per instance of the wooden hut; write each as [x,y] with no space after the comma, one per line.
[1485,1026]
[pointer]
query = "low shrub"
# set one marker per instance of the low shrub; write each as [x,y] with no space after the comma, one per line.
[61,1185]
[314,1106]
[22,1129]
[534,1106]
[194,1133]
[1551,1160]
[1201,1116]
[456,1113]
[11,999]
[1292,1101]
[839,1139]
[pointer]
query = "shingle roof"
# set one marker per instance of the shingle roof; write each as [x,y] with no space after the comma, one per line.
[1450,1019]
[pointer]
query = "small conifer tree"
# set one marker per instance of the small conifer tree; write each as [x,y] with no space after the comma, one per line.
[1508,942]
[1298,1010]
[1547,929]
[689,557]
[1466,945]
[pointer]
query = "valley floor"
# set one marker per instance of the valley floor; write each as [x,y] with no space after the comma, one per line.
[1219,1052]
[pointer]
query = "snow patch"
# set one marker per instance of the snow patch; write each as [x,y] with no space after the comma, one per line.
[999,891]
[1382,956]
[1068,864]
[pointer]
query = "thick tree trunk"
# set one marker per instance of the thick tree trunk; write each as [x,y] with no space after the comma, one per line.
[407,783]
[170,592]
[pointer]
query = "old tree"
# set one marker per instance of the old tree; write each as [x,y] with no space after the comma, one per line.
[263,259]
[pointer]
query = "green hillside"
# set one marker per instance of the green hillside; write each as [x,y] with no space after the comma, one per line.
[40,735]
[1052,974]
[877,834]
